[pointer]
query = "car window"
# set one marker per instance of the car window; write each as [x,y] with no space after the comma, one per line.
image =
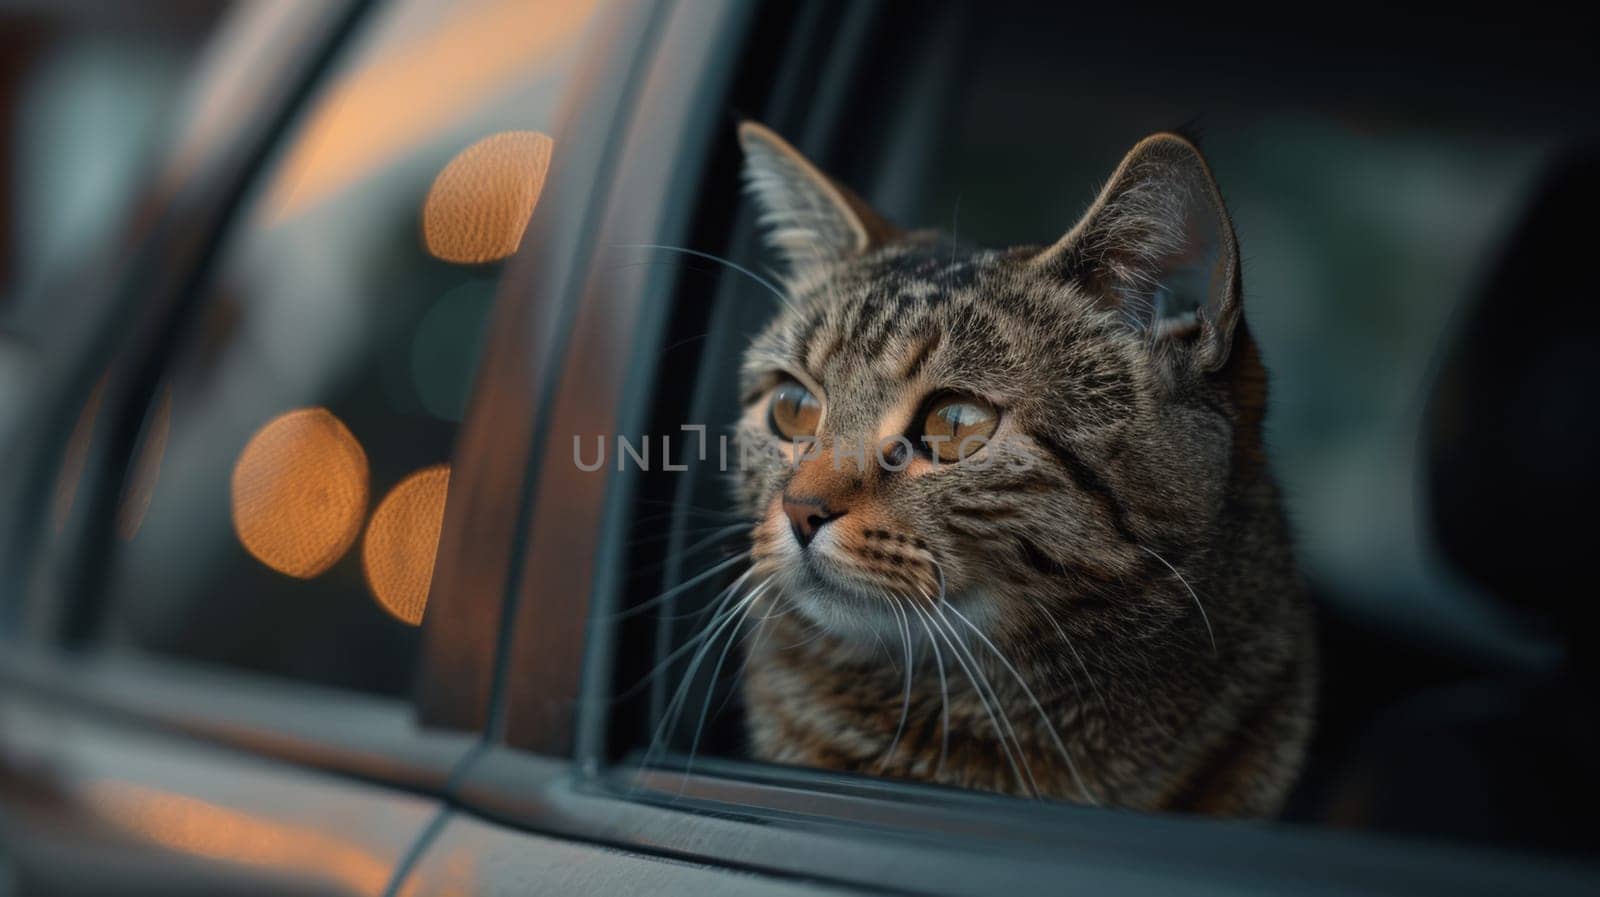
[285,502]
[1364,217]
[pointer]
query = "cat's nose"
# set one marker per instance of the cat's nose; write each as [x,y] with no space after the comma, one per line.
[806,516]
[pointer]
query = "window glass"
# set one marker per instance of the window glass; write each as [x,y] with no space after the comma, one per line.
[89,97]
[285,504]
[1369,209]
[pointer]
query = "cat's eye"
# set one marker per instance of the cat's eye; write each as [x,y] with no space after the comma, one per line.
[794,411]
[957,426]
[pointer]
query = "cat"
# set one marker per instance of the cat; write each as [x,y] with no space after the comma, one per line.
[1014,526]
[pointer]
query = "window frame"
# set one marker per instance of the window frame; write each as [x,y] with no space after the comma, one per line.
[555,659]
[911,838]
[547,767]
[474,597]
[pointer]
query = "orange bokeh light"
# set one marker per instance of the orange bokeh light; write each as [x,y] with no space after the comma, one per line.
[425,78]
[480,204]
[403,539]
[300,492]
[199,828]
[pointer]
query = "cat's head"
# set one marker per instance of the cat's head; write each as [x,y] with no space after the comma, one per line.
[1022,429]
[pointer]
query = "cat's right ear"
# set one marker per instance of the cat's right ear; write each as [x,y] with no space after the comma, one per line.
[1158,246]
[809,219]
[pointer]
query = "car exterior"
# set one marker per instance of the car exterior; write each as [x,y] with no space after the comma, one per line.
[487,756]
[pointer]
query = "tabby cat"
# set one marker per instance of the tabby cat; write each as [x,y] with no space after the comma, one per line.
[1060,566]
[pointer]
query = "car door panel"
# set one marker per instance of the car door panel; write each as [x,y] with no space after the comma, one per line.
[96,805]
[470,856]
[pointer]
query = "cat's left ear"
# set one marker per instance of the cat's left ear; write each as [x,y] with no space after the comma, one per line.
[1158,245]
[810,219]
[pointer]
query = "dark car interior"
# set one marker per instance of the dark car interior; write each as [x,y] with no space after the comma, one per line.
[1508,448]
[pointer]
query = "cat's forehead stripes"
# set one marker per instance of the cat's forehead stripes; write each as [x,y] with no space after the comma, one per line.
[897,324]
[882,299]
[924,346]
[870,308]
[895,309]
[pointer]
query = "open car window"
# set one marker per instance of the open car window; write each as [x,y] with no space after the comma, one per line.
[668,662]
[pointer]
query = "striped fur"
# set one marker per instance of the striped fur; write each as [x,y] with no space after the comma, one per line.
[1116,570]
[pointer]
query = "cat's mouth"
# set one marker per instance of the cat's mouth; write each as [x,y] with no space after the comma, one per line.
[869,562]
[852,592]
[829,574]
[840,602]
[858,577]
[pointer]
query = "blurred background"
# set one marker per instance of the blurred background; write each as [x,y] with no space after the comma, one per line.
[292,464]
[88,95]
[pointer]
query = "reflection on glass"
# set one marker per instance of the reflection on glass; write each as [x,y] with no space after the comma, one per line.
[402,540]
[200,828]
[445,348]
[147,470]
[480,203]
[342,289]
[299,492]
[76,456]
[434,68]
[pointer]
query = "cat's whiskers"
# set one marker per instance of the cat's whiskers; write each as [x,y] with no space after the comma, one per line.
[1056,624]
[711,685]
[990,707]
[674,709]
[1044,717]
[703,640]
[720,603]
[944,689]
[958,649]
[994,696]
[682,587]
[882,644]
[664,533]
[1192,594]
[716,532]
[759,631]
[770,287]
[905,701]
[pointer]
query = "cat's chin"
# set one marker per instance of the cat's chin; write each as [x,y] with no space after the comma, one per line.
[854,610]
[846,614]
